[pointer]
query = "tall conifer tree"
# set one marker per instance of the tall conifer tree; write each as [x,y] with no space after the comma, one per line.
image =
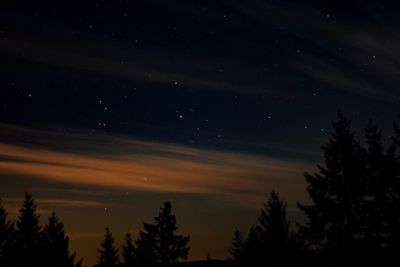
[237,248]
[128,252]
[57,245]
[337,191]
[29,237]
[274,231]
[108,253]
[168,247]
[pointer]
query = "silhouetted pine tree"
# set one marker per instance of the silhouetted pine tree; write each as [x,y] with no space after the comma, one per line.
[274,231]
[108,253]
[128,252]
[7,236]
[56,245]
[237,248]
[337,191]
[252,250]
[28,236]
[169,247]
[146,255]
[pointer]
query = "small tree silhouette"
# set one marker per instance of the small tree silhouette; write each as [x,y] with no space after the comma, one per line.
[29,238]
[128,252]
[108,253]
[237,248]
[274,231]
[168,246]
[252,251]
[146,249]
[56,245]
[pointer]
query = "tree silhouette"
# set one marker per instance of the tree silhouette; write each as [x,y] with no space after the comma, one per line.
[252,250]
[128,251]
[29,237]
[56,245]
[274,231]
[7,236]
[108,253]
[237,248]
[146,254]
[168,246]
[336,192]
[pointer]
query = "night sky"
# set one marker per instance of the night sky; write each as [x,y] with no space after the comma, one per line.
[110,108]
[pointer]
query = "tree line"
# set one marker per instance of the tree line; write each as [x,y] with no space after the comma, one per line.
[157,244]
[354,214]
[353,218]
[25,243]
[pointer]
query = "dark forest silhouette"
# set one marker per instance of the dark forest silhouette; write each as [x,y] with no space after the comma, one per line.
[25,243]
[353,218]
[354,215]
[157,244]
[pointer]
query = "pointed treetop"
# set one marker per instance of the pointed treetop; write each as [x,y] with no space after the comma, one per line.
[237,245]
[57,244]
[6,226]
[108,253]
[28,219]
[168,246]
[128,251]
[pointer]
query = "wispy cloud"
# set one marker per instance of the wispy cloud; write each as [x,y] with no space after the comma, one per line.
[366,58]
[359,58]
[47,205]
[157,167]
[170,70]
[76,203]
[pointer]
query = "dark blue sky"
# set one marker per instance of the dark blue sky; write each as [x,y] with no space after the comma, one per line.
[210,73]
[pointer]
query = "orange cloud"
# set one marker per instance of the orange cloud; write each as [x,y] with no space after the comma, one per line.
[159,167]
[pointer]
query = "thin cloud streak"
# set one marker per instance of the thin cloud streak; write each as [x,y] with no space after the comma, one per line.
[137,67]
[76,203]
[364,50]
[159,167]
